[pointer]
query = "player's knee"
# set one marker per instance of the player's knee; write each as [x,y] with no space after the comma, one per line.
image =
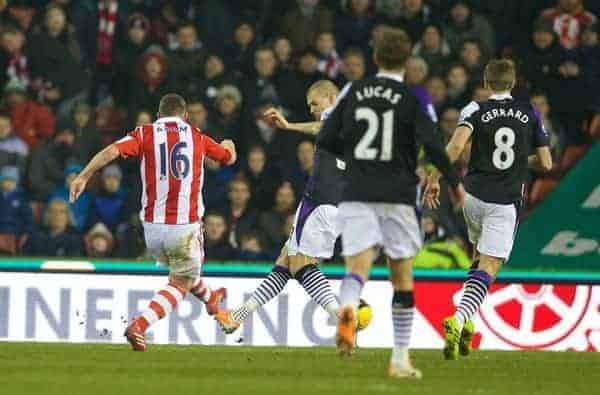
[405,299]
[184,282]
[307,267]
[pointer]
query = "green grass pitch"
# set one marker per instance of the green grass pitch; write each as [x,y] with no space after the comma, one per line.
[47,369]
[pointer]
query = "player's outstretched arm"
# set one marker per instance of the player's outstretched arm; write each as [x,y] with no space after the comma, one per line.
[275,116]
[100,160]
[542,160]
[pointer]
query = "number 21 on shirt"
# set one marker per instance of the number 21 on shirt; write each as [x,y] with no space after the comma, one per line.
[385,126]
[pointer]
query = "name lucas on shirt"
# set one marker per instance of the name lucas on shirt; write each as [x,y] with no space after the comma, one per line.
[501,112]
[379,92]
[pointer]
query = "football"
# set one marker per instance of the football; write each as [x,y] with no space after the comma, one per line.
[365,314]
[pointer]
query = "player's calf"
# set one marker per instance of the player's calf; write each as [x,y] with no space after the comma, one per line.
[317,286]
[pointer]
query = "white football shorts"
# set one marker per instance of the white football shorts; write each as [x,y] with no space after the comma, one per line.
[178,247]
[315,230]
[492,227]
[393,226]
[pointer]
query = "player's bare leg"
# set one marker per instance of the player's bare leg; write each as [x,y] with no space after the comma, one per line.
[165,301]
[306,272]
[476,288]
[403,309]
[357,273]
[272,285]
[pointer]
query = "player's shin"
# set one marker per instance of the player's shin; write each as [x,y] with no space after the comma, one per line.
[403,309]
[270,287]
[164,302]
[476,289]
[317,286]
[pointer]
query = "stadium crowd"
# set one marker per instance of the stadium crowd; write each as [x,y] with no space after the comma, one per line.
[76,75]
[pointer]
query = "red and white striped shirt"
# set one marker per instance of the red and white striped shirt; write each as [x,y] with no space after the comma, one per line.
[172,157]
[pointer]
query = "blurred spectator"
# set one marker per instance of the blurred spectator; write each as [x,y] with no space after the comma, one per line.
[228,122]
[416,71]
[438,90]
[87,139]
[150,84]
[305,156]
[329,59]
[56,74]
[473,60]
[13,151]
[308,72]
[239,54]
[433,48]
[251,248]
[14,59]
[47,166]
[99,242]
[165,25]
[302,23]
[216,179]
[143,118]
[354,67]
[216,246]
[205,87]
[198,117]
[270,84]
[80,209]
[464,24]
[31,121]
[16,221]
[432,230]
[129,50]
[55,25]
[283,51]
[262,178]
[569,19]
[449,122]
[589,54]
[22,13]
[56,239]
[353,27]
[458,86]
[415,15]
[539,59]
[271,222]
[185,61]
[242,218]
[551,124]
[108,204]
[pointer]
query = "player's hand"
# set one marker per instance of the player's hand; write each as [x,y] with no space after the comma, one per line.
[229,145]
[458,196]
[275,116]
[431,195]
[77,187]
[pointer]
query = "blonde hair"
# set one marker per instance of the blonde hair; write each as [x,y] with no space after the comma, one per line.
[323,87]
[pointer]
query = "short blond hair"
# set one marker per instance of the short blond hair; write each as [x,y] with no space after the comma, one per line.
[323,87]
[500,74]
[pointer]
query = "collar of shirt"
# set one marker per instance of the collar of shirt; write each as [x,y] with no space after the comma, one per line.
[396,77]
[169,119]
[501,96]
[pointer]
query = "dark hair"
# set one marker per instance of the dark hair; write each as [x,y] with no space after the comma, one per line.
[171,104]
[500,74]
[353,51]
[392,48]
